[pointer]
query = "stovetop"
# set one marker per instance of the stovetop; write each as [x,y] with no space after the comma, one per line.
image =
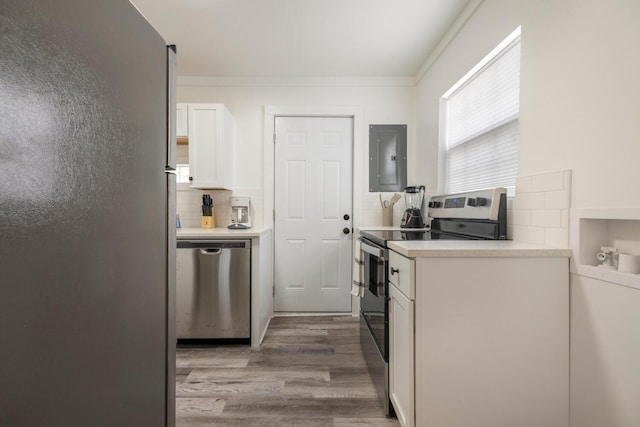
[381,237]
[471,215]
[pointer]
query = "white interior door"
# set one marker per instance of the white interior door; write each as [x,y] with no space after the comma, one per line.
[313,197]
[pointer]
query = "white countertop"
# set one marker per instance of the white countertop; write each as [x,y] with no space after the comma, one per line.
[219,233]
[474,248]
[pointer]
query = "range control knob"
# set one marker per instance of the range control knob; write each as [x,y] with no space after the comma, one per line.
[471,201]
[481,201]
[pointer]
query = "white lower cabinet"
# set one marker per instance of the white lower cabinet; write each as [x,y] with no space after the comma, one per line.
[401,337]
[492,342]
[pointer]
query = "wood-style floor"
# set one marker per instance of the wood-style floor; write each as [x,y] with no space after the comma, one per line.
[308,372]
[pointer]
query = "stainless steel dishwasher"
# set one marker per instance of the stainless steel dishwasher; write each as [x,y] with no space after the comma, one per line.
[213,292]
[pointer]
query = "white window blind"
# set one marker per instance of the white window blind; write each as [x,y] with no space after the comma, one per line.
[481,122]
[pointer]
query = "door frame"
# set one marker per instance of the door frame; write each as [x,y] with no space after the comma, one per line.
[358,159]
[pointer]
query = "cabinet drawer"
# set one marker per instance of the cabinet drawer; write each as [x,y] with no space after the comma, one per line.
[402,274]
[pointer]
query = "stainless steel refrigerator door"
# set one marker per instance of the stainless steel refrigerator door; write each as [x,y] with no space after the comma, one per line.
[213,290]
[171,235]
[83,216]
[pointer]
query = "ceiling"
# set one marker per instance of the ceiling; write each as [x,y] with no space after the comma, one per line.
[301,38]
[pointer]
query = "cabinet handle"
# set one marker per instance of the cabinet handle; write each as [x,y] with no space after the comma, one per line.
[394,271]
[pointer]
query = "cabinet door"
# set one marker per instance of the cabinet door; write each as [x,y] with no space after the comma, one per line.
[210,146]
[401,356]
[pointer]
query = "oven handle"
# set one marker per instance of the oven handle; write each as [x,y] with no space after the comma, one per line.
[380,253]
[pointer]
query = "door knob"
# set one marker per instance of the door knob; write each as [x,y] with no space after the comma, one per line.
[345,230]
[346,217]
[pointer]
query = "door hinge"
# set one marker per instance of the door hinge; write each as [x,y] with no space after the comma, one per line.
[274,137]
[274,215]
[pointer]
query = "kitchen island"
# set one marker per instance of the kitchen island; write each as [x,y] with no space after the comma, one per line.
[491,333]
[261,270]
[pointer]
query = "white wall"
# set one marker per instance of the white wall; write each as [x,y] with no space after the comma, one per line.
[580,95]
[386,101]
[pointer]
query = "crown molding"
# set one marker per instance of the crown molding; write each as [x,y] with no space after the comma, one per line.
[453,31]
[296,81]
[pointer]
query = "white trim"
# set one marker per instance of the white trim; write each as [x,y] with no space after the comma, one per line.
[358,161]
[453,31]
[489,59]
[365,81]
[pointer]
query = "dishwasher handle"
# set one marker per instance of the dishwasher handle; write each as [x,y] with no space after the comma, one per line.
[210,251]
[213,244]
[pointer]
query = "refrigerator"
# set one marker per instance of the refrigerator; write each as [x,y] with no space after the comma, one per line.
[87,227]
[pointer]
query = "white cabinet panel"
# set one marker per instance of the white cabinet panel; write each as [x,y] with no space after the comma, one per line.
[210,146]
[401,356]
[182,123]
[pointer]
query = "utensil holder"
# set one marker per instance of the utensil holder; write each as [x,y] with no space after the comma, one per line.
[387,216]
[209,221]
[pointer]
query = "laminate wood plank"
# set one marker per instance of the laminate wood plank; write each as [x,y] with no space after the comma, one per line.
[219,388]
[259,374]
[188,407]
[304,407]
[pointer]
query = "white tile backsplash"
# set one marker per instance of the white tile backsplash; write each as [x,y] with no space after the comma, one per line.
[529,234]
[546,218]
[520,217]
[528,200]
[548,182]
[540,211]
[557,199]
[189,205]
[372,210]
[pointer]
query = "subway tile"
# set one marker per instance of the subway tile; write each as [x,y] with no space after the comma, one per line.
[565,218]
[556,199]
[523,184]
[520,217]
[548,182]
[528,234]
[529,201]
[546,218]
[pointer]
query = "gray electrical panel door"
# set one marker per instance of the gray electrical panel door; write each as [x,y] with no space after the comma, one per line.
[387,157]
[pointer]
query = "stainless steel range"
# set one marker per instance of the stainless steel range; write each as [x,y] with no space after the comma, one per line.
[474,215]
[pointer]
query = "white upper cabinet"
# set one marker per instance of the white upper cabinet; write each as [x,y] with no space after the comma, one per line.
[182,126]
[210,146]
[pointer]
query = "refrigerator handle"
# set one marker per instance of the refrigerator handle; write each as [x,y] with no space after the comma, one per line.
[171,106]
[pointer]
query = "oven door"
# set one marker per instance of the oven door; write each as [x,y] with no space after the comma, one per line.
[374,303]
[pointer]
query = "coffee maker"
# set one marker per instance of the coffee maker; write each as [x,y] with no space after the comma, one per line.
[412,217]
[240,213]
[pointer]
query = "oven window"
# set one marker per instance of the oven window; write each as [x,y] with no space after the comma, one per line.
[374,274]
[374,305]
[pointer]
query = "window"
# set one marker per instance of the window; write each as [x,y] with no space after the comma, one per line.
[479,118]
